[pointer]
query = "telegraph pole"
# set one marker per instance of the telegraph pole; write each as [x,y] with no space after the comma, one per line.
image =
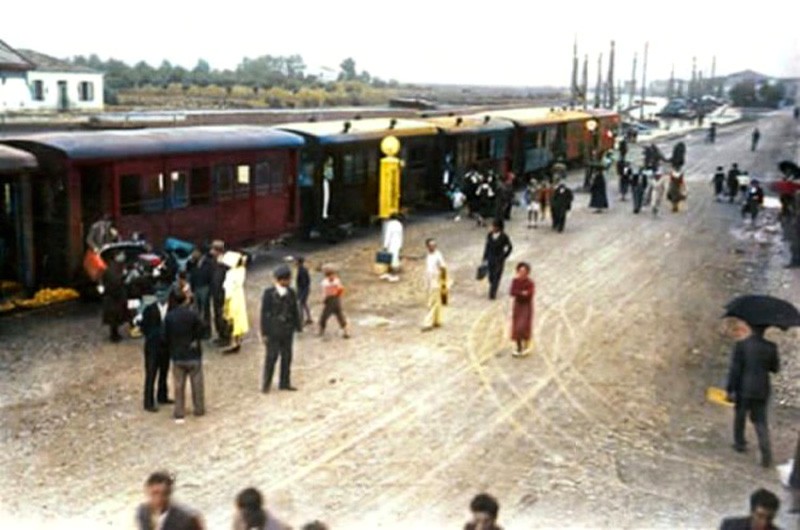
[671,85]
[611,77]
[633,81]
[599,87]
[644,80]
[574,83]
[693,85]
[585,80]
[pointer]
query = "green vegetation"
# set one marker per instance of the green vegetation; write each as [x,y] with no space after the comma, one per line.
[748,94]
[266,81]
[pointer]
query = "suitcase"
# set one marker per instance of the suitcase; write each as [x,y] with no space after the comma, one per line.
[383,257]
[94,265]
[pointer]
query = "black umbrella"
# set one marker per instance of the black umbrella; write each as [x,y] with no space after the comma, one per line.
[761,310]
[788,167]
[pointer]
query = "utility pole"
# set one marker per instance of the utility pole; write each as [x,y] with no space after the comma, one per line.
[693,85]
[713,83]
[633,81]
[599,86]
[644,80]
[585,81]
[611,77]
[671,85]
[574,82]
[700,84]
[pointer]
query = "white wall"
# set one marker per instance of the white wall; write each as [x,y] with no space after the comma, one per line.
[17,94]
[14,93]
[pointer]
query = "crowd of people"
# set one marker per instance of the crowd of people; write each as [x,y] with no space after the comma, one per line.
[160,511]
[209,294]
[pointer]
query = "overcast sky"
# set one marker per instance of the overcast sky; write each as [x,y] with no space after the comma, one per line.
[494,42]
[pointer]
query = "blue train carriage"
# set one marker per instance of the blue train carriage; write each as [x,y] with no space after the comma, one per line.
[543,135]
[339,169]
[17,169]
[483,142]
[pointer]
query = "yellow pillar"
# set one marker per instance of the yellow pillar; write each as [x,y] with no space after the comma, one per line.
[389,184]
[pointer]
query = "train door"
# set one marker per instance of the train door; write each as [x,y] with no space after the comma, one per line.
[15,262]
[63,96]
[308,181]
[96,194]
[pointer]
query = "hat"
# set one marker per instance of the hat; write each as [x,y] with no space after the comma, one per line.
[282,273]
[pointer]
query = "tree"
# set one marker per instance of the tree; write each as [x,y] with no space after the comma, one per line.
[348,70]
[743,94]
[144,74]
[201,73]
[771,94]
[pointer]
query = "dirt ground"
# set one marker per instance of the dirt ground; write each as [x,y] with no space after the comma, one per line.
[604,426]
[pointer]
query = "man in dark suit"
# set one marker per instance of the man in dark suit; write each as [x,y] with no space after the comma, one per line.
[159,512]
[752,361]
[183,331]
[280,319]
[217,292]
[201,272]
[763,508]
[156,356]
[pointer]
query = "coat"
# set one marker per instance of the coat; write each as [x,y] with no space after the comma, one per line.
[523,291]
[280,315]
[235,302]
[115,298]
[153,330]
[178,518]
[561,201]
[599,198]
[752,360]
[183,330]
[393,240]
[677,188]
[497,249]
[740,523]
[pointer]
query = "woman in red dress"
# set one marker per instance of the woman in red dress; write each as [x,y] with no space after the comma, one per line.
[522,291]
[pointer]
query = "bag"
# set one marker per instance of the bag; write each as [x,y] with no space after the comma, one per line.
[94,265]
[482,272]
[383,257]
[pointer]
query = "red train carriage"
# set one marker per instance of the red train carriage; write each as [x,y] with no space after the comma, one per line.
[234,183]
[604,136]
[16,220]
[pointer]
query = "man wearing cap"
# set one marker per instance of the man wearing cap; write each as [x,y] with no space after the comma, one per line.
[115,298]
[218,293]
[280,319]
[156,356]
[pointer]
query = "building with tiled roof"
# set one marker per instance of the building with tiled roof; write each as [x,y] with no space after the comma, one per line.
[33,81]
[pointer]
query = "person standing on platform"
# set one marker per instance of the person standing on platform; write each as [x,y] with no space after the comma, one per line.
[156,356]
[659,187]
[560,204]
[676,189]
[159,512]
[183,331]
[115,298]
[639,183]
[236,303]
[599,197]
[522,291]
[280,320]
[754,139]
[435,269]
[733,182]
[393,241]
[719,183]
[201,271]
[218,293]
[332,291]
[752,361]
[495,252]
[303,286]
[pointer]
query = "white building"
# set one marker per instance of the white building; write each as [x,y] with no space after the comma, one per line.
[32,81]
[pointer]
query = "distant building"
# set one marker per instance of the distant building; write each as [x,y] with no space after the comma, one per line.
[32,81]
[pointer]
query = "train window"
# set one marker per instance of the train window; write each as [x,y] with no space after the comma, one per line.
[416,155]
[268,177]
[483,149]
[179,189]
[372,163]
[223,182]
[242,182]
[348,168]
[130,194]
[360,162]
[199,186]
[152,193]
